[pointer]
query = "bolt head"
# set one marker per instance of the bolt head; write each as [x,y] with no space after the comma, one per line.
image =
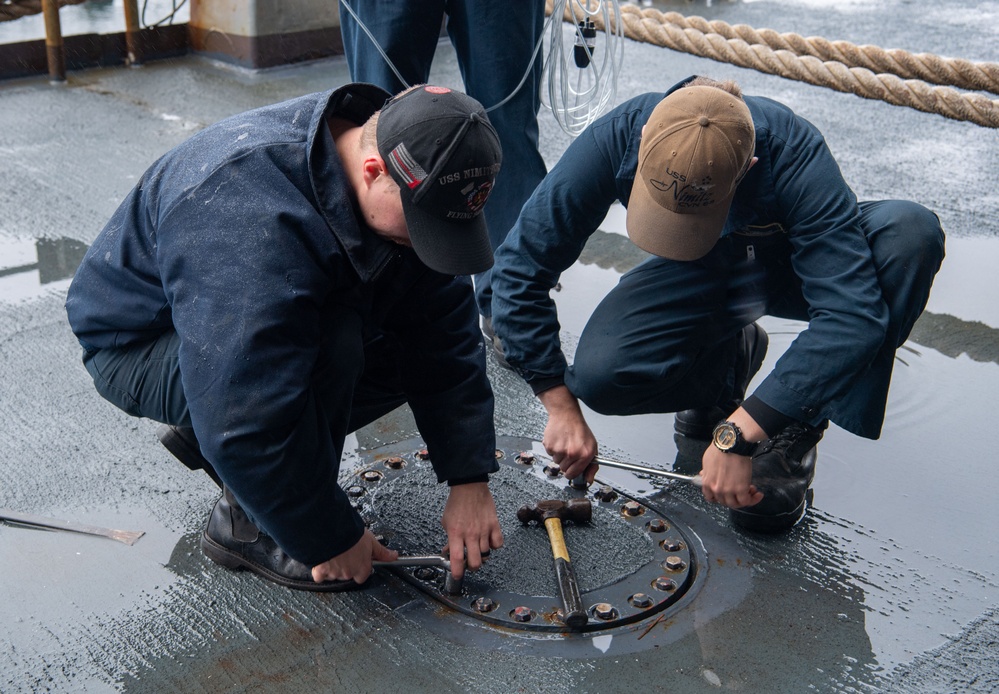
[605,493]
[522,614]
[671,544]
[424,573]
[484,604]
[552,470]
[674,564]
[423,454]
[355,491]
[394,463]
[604,611]
[632,508]
[641,601]
[371,475]
[657,525]
[525,458]
[665,584]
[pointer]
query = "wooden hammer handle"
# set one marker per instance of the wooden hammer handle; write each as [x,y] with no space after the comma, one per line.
[574,616]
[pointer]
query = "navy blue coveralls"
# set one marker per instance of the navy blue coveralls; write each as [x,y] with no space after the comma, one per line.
[235,290]
[796,244]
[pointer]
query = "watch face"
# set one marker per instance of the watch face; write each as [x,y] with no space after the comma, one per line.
[725,436]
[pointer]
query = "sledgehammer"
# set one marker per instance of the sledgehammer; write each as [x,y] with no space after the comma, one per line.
[552,512]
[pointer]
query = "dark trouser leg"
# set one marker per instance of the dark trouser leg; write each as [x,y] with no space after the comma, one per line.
[494,47]
[907,244]
[407,31]
[666,337]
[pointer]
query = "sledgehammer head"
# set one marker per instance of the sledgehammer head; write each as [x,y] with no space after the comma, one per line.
[575,510]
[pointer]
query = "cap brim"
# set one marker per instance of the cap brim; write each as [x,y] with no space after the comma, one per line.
[669,234]
[452,248]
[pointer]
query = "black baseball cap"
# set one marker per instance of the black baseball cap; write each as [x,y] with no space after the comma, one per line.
[441,149]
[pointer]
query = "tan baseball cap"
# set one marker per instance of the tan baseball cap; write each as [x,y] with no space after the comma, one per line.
[695,147]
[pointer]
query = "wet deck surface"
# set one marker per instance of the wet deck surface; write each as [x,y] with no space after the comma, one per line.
[890,584]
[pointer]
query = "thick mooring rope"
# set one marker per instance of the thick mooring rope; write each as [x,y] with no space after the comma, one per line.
[837,65]
[15,9]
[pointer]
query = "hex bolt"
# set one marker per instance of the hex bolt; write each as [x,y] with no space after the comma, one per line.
[671,544]
[674,564]
[605,493]
[632,508]
[657,525]
[484,604]
[525,458]
[552,470]
[664,584]
[604,611]
[498,453]
[423,454]
[521,614]
[641,601]
[394,463]
[371,475]
[425,573]
[355,490]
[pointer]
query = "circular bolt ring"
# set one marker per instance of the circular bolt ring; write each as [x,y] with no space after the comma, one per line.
[394,463]
[641,601]
[371,475]
[605,493]
[665,584]
[423,454]
[522,614]
[674,564]
[355,490]
[484,604]
[632,508]
[526,458]
[552,470]
[604,611]
[656,525]
[671,544]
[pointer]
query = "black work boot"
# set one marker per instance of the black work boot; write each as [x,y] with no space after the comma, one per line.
[233,541]
[783,469]
[182,442]
[699,423]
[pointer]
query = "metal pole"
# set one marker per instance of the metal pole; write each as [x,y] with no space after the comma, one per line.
[54,51]
[133,54]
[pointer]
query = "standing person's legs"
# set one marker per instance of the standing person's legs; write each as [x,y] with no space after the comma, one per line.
[407,31]
[495,44]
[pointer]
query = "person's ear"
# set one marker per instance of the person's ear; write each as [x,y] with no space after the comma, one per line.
[373,167]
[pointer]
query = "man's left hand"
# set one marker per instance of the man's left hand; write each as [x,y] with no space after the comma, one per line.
[472,528]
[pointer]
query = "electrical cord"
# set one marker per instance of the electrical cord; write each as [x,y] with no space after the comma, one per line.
[575,107]
[589,99]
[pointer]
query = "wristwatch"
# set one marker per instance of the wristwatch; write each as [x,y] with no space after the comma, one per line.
[727,437]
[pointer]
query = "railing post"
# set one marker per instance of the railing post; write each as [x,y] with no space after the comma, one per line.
[54,50]
[133,54]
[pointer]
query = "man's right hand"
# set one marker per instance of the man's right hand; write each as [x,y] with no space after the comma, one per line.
[355,563]
[568,439]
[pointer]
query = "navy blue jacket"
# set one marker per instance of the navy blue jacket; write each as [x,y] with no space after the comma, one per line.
[795,184]
[245,239]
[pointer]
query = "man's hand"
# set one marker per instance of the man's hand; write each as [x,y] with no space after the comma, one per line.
[355,563]
[567,437]
[472,528]
[728,478]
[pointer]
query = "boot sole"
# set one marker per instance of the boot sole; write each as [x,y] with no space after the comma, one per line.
[771,524]
[234,561]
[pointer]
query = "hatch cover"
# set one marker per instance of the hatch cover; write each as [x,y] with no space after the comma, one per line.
[631,561]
